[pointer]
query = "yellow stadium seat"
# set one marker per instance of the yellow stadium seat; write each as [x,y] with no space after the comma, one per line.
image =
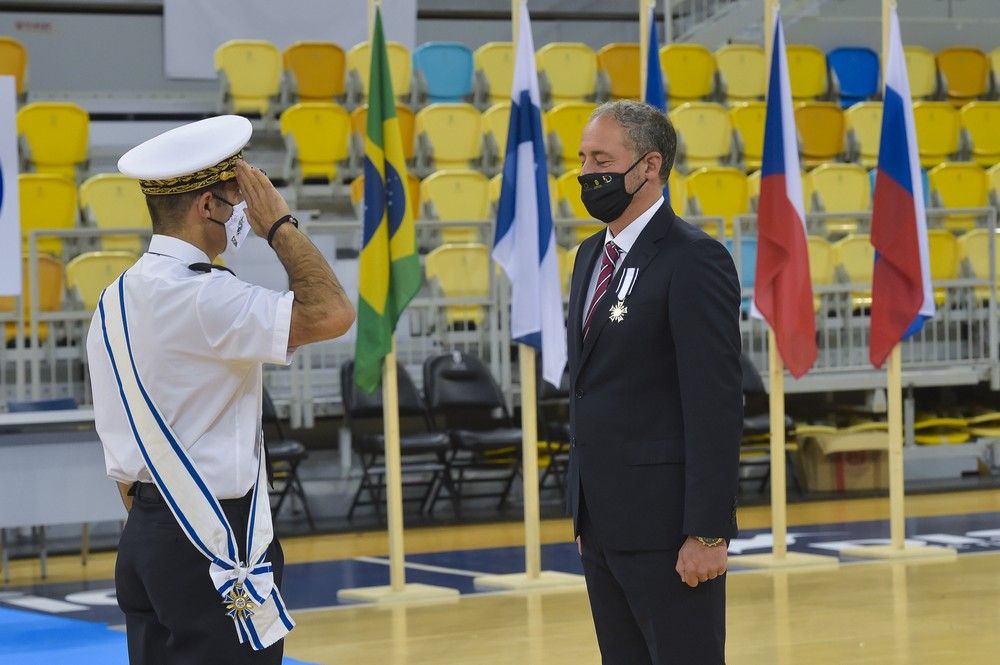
[678,192]
[457,195]
[359,69]
[719,191]
[981,120]
[48,202]
[251,70]
[50,294]
[838,188]
[864,131]
[974,251]
[743,71]
[921,69]
[966,72]
[821,132]
[569,70]
[993,177]
[14,62]
[91,272]
[806,72]
[619,62]
[942,250]
[449,136]
[821,265]
[748,121]
[753,183]
[317,70]
[566,268]
[494,71]
[114,201]
[689,70]
[495,186]
[496,122]
[705,131]
[405,117]
[934,431]
[461,270]
[56,136]
[960,185]
[412,190]
[568,188]
[856,256]
[938,129]
[565,125]
[317,137]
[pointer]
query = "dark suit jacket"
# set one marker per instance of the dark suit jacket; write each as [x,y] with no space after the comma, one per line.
[656,407]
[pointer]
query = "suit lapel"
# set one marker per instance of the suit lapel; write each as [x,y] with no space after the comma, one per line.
[645,248]
[578,292]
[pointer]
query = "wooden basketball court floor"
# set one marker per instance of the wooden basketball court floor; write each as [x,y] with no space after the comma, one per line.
[872,613]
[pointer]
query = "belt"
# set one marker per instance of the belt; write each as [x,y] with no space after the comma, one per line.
[149,493]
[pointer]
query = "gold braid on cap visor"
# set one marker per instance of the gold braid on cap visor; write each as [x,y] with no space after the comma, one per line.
[224,170]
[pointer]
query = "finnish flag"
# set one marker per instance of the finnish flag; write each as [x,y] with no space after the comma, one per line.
[525,243]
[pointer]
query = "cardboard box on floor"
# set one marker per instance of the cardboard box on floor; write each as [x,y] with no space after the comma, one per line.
[832,460]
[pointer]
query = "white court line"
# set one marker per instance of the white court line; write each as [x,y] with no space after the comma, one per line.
[49,605]
[422,566]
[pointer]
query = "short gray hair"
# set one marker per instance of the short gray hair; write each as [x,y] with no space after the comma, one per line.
[646,130]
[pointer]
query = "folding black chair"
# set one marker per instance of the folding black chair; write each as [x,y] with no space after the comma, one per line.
[284,456]
[423,452]
[553,428]
[465,400]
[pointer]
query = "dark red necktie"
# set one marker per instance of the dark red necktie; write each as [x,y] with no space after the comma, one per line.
[611,254]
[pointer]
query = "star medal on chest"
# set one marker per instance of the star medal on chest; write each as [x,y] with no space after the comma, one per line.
[238,603]
[619,310]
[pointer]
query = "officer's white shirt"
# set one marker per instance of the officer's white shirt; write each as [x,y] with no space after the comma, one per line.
[199,340]
[624,242]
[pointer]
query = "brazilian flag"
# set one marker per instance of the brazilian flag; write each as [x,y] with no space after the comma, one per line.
[389,268]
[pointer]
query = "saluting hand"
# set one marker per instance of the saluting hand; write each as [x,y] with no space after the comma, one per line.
[265,205]
[698,563]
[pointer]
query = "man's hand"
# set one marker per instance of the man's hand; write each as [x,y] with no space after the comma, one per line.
[698,563]
[265,205]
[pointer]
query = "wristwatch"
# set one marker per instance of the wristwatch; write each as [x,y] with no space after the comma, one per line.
[710,542]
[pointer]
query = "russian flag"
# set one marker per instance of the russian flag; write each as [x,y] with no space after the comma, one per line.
[783,290]
[525,243]
[902,298]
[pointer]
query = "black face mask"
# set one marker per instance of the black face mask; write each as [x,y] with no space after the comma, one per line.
[604,194]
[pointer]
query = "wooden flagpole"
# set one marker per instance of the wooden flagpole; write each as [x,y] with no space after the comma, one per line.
[533,577]
[898,547]
[779,557]
[398,590]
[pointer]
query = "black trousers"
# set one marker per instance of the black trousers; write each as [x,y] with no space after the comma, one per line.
[173,615]
[643,613]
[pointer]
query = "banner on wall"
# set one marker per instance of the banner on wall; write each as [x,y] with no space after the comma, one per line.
[193,29]
[10,218]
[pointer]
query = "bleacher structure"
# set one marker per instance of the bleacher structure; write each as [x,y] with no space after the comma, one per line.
[82,228]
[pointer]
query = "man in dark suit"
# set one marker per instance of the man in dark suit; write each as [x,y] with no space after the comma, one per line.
[656,408]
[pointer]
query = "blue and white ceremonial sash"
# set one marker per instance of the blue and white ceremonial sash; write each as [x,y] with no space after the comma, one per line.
[246,589]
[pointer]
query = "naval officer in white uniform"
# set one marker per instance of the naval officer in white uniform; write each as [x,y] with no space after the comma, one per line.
[197,338]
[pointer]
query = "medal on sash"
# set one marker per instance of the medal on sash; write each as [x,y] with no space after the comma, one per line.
[625,285]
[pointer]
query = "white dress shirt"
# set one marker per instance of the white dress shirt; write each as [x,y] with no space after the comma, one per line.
[624,242]
[199,340]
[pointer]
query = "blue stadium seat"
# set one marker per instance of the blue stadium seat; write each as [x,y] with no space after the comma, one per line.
[857,71]
[57,404]
[445,69]
[923,178]
[748,265]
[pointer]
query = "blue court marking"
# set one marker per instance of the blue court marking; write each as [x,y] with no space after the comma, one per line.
[315,585]
[31,638]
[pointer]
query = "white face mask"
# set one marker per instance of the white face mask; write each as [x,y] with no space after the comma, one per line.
[237,229]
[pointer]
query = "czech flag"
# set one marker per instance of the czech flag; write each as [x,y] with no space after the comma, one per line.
[902,298]
[783,290]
